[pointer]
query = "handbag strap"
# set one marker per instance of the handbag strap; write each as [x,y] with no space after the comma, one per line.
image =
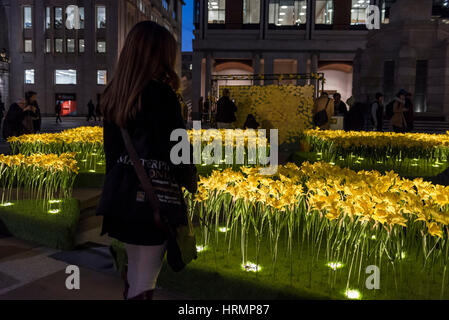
[143,178]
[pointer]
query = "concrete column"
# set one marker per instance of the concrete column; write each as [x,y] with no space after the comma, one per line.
[314,69]
[256,67]
[268,68]
[209,62]
[406,69]
[196,84]
[302,67]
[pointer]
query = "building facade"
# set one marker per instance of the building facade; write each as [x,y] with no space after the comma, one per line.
[65,50]
[281,37]
[411,53]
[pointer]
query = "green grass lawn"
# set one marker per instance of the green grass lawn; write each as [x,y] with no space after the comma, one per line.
[218,274]
[52,225]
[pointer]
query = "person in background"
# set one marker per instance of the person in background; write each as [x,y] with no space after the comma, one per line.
[2,110]
[201,107]
[350,102]
[98,111]
[31,120]
[58,109]
[13,125]
[206,109]
[409,114]
[251,122]
[327,104]
[356,117]
[377,112]
[90,111]
[398,120]
[339,106]
[225,111]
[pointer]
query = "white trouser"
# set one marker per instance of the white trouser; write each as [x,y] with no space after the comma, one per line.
[144,265]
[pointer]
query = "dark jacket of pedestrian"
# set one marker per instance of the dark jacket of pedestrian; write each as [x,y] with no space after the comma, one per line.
[37,118]
[13,124]
[409,114]
[226,110]
[91,108]
[58,108]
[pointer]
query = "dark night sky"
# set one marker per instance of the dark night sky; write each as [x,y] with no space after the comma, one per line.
[187,25]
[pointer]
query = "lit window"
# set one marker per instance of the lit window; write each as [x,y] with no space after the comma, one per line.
[217,11]
[102,77]
[48,45]
[59,45]
[385,14]
[75,17]
[28,45]
[29,76]
[47,18]
[101,46]
[81,47]
[324,12]
[287,12]
[165,4]
[65,76]
[101,17]
[70,45]
[358,11]
[58,18]
[27,18]
[251,11]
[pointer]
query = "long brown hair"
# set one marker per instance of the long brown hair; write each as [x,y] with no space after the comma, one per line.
[149,54]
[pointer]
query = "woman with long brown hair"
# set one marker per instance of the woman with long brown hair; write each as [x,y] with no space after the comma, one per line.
[141,99]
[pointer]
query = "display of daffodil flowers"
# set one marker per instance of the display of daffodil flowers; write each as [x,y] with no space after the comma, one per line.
[287,108]
[330,209]
[419,153]
[39,176]
[86,142]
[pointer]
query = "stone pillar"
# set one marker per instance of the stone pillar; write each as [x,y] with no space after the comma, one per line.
[256,67]
[196,84]
[410,10]
[209,62]
[342,14]
[268,68]
[234,14]
[406,69]
[314,69]
[302,67]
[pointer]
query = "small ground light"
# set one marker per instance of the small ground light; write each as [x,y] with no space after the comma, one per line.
[84,160]
[251,267]
[223,229]
[200,248]
[353,294]
[373,237]
[403,255]
[54,201]
[54,211]
[91,170]
[334,265]
[7,204]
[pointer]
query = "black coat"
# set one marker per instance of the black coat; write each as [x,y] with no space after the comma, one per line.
[125,218]
[13,124]
[225,110]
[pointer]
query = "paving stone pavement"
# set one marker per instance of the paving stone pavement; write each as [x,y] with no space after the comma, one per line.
[32,272]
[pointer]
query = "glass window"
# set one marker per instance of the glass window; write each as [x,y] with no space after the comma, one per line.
[81,17]
[324,12]
[47,18]
[65,76]
[75,17]
[81,47]
[217,11]
[27,18]
[101,17]
[358,11]
[102,77]
[59,44]
[48,45]
[70,45]
[28,45]
[385,14]
[29,76]
[165,4]
[251,11]
[101,46]
[58,18]
[287,12]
